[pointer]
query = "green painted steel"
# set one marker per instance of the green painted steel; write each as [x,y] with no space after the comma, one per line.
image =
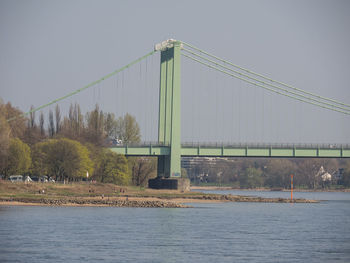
[175,151]
[169,123]
[148,150]
[237,151]
[162,96]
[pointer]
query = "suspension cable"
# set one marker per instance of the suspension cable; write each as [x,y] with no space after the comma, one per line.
[85,87]
[265,83]
[265,77]
[264,87]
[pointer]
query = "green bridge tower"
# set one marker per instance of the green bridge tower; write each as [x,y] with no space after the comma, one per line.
[169,119]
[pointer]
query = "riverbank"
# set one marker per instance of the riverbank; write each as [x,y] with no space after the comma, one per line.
[85,194]
[90,202]
[222,188]
[146,202]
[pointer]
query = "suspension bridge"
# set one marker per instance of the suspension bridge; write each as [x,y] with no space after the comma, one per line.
[169,149]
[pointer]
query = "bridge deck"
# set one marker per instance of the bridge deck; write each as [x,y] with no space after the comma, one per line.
[288,151]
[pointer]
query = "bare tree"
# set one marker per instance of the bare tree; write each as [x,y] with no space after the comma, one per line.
[95,127]
[308,172]
[73,125]
[51,127]
[32,117]
[142,169]
[71,116]
[58,118]
[18,125]
[41,124]
[110,125]
[78,120]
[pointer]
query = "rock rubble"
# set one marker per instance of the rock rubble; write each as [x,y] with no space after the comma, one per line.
[93,202]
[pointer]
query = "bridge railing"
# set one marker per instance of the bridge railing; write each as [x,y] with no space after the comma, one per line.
[140,144]
[267,145]
[240,145]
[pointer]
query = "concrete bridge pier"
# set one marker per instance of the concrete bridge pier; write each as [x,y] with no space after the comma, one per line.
[181,184]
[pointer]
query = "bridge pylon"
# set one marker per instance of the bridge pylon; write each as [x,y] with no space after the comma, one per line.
[169,119]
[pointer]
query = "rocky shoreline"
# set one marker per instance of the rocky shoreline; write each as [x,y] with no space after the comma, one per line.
[146,202]
[93,202]
[242,198]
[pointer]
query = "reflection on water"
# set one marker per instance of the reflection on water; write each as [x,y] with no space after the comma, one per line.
[220,232]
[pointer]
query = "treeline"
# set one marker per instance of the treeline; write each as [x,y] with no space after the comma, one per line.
[272,173]
[72,147]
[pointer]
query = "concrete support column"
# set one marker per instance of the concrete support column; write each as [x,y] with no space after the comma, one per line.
[169,122]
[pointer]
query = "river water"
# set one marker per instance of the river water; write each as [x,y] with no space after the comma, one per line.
[217,232]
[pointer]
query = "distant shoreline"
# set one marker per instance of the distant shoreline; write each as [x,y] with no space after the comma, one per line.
[223,188]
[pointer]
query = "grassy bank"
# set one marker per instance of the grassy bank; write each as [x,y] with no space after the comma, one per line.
[112,195]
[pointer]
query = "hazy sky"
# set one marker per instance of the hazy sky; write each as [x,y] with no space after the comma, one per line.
[50,48]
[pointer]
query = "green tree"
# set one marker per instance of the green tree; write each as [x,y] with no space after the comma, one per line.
[4,141]
[127,129]
[19,160]
[63,158]
[251,178]
[112,168]
[40,152]
[95,153]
